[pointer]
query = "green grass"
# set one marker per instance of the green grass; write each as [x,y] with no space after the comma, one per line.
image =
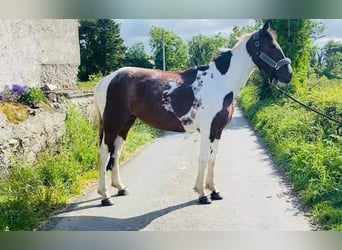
[140,134]
[87,85]
[304,144]
[30,194]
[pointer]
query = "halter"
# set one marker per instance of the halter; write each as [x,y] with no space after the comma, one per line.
[265,58]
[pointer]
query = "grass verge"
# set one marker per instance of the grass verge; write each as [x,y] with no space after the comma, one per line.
[30,194]
[90,85]
[304,144]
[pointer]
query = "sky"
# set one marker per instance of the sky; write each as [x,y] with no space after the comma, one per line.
[137,30]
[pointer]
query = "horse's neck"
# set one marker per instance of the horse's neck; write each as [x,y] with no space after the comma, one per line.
[241,67]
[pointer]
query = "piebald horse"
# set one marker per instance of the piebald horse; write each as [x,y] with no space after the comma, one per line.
[197,99]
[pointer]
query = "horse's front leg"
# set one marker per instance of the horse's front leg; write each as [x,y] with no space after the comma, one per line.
[215,195]
[202,165]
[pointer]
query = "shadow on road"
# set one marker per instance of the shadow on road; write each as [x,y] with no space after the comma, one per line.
[238,122]
[99,223]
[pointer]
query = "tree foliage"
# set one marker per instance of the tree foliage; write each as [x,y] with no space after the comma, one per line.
[102,48]
[136,56]
[295,38]
[238,31]
[331,59]
[175,49]
[203,48]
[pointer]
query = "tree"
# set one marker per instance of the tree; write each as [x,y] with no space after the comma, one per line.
[238,31]
[102,48]
[295,38]
[136,56]
[203,48]
[332,59]
[175,49]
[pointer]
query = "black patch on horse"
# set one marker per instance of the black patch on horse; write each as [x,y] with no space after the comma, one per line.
[111,160]
[182,99]
[189,76]
[221,118]
[227,100]
[222,61]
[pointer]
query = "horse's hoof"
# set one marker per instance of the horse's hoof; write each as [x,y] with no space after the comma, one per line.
[215,196]
[122,192]
[204,200]
[107,202]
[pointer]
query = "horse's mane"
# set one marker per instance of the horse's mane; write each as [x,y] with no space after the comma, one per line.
[223,51]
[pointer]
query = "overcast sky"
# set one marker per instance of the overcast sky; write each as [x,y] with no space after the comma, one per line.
[137,30]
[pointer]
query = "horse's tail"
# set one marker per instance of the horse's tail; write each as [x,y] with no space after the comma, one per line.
[99,116]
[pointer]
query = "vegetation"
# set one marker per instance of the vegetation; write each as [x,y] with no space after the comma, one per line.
[328,59]
[304,144]
[14,112]
[176,51]
[30,194]
[32,97]
[102,48]
[137,57]
[15,99]
[202,48]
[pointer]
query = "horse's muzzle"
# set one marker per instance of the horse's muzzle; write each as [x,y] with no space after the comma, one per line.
[286,76]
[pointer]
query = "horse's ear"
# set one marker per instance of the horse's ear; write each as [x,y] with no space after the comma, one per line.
[266,26]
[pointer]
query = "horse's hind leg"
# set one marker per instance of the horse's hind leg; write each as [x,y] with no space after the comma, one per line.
[104,160]
[118,144]
[110,132]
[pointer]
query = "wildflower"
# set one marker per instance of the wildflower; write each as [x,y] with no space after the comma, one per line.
[18,90]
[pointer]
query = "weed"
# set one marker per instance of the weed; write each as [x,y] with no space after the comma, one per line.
[32,97]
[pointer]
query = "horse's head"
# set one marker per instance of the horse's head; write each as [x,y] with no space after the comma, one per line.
[267,54]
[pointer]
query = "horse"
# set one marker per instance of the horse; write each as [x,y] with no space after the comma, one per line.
[197,99]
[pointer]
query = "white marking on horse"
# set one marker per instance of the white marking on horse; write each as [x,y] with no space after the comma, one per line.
[166,99]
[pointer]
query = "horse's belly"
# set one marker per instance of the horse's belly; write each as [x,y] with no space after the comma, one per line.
[159,118]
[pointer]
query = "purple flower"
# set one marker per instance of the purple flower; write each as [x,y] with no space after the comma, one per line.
[18,90]
[2,97]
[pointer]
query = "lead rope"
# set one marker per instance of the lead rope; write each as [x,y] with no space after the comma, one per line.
[339,128]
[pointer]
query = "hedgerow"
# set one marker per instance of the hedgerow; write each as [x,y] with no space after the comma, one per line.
[304,144]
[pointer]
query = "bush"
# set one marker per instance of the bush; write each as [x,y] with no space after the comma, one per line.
[32,97]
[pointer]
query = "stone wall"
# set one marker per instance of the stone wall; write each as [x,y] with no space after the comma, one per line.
[25,140]
[38,51]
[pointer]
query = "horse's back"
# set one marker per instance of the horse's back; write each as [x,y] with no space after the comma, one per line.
[139,92]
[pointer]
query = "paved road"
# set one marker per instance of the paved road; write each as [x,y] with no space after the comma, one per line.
[160,179]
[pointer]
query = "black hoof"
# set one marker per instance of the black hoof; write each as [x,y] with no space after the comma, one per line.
[215,196]
[204,200]
[122,192]
[107,202]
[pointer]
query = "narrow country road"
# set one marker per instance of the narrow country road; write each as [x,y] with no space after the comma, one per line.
[160,179]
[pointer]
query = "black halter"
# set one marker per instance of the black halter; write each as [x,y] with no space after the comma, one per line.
[265,58]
